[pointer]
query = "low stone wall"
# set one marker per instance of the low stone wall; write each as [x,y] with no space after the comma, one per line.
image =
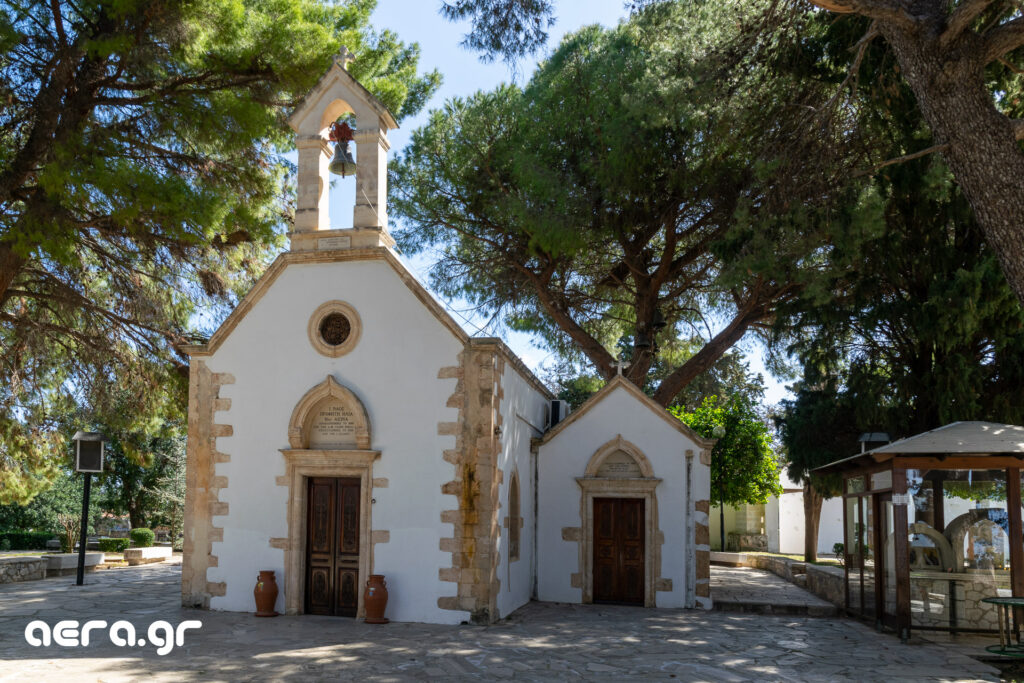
[828,583]
[744,541]
[13,569]
[825,582]
[781,566]
[930,603]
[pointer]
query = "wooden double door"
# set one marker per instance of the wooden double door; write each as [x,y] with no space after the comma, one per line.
[332,546]
[619,550]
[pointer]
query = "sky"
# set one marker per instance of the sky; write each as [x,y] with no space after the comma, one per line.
[420,21]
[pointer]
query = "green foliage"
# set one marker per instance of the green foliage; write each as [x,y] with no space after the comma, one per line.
[24,540]
[138,470]
[743,466]
[47,510]
[918,328]
[509,28]
[142,538]
[143,191]
[816,428]
[646,178]
[114,545]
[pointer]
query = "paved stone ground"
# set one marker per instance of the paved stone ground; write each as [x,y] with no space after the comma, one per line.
[747,589]
[542,641]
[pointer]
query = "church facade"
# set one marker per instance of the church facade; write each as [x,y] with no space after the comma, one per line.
[342,424]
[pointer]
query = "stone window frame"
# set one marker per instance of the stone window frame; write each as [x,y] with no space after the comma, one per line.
[313,328]
[643,487]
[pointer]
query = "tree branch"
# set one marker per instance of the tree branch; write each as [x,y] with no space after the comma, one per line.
[906,157]
[1017,125]
[1003,38]
[58,22]
[884,10]
[706,357]
[960,20]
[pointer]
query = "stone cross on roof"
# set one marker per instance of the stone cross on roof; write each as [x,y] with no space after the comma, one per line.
[343,57]
[619,365]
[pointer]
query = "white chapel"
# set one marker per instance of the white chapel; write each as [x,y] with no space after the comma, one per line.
[342,424]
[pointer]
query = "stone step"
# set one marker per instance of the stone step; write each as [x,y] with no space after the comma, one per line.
[790,609]
[800,580]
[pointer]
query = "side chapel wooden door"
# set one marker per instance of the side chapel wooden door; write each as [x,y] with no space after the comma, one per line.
[332,546]
[619,550]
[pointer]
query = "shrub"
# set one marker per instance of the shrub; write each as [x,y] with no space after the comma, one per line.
[26,540]
[840,552]
[142,538]
[113,545]
[5,544]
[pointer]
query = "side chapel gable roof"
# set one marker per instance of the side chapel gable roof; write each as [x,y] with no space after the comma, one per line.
[619,382]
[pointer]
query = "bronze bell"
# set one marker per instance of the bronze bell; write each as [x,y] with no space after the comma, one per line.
[342,164]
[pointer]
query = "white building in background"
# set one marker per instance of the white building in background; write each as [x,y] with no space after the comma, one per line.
[341,424]
[778,525]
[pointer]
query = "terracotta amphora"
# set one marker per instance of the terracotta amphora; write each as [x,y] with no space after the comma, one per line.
[265,594]
[375,599]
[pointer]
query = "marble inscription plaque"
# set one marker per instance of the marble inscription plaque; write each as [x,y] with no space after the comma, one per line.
[342,242]
[334,425]
[619,465]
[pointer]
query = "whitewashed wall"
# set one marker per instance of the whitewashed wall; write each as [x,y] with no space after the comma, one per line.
[522,412]
[565,458]
[393,370]
[791,524]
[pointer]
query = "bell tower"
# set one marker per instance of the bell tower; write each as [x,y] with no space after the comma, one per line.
[335,96]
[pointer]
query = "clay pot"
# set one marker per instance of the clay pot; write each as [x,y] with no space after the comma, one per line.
[375,599]
[265,594]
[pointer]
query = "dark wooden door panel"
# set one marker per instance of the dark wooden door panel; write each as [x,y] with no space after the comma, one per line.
[619,550]
[332,546]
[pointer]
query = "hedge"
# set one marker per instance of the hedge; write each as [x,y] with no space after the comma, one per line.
[113,545]
[142,538]
[27,540]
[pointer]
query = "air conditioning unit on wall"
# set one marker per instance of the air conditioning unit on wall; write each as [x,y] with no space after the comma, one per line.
[559,411]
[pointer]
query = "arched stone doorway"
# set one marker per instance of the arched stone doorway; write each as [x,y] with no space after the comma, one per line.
[618,482]
[329,474]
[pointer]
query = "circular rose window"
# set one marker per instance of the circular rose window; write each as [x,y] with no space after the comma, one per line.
[334,328]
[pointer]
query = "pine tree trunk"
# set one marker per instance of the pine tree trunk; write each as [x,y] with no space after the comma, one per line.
[812,518]
[983,152]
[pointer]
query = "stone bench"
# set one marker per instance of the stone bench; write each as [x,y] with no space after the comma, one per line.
[63,564]
[156,553]
[14,569]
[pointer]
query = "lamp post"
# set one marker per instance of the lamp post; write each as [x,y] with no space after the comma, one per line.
[89,447]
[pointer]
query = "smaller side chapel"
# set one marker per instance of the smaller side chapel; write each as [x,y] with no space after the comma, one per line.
[342,424]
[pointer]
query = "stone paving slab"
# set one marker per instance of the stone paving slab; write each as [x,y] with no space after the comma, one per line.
[743,589]
[541,642]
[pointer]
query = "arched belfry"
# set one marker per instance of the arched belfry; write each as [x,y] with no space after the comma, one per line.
[335,95]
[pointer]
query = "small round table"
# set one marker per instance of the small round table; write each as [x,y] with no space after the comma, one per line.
[1006,645]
